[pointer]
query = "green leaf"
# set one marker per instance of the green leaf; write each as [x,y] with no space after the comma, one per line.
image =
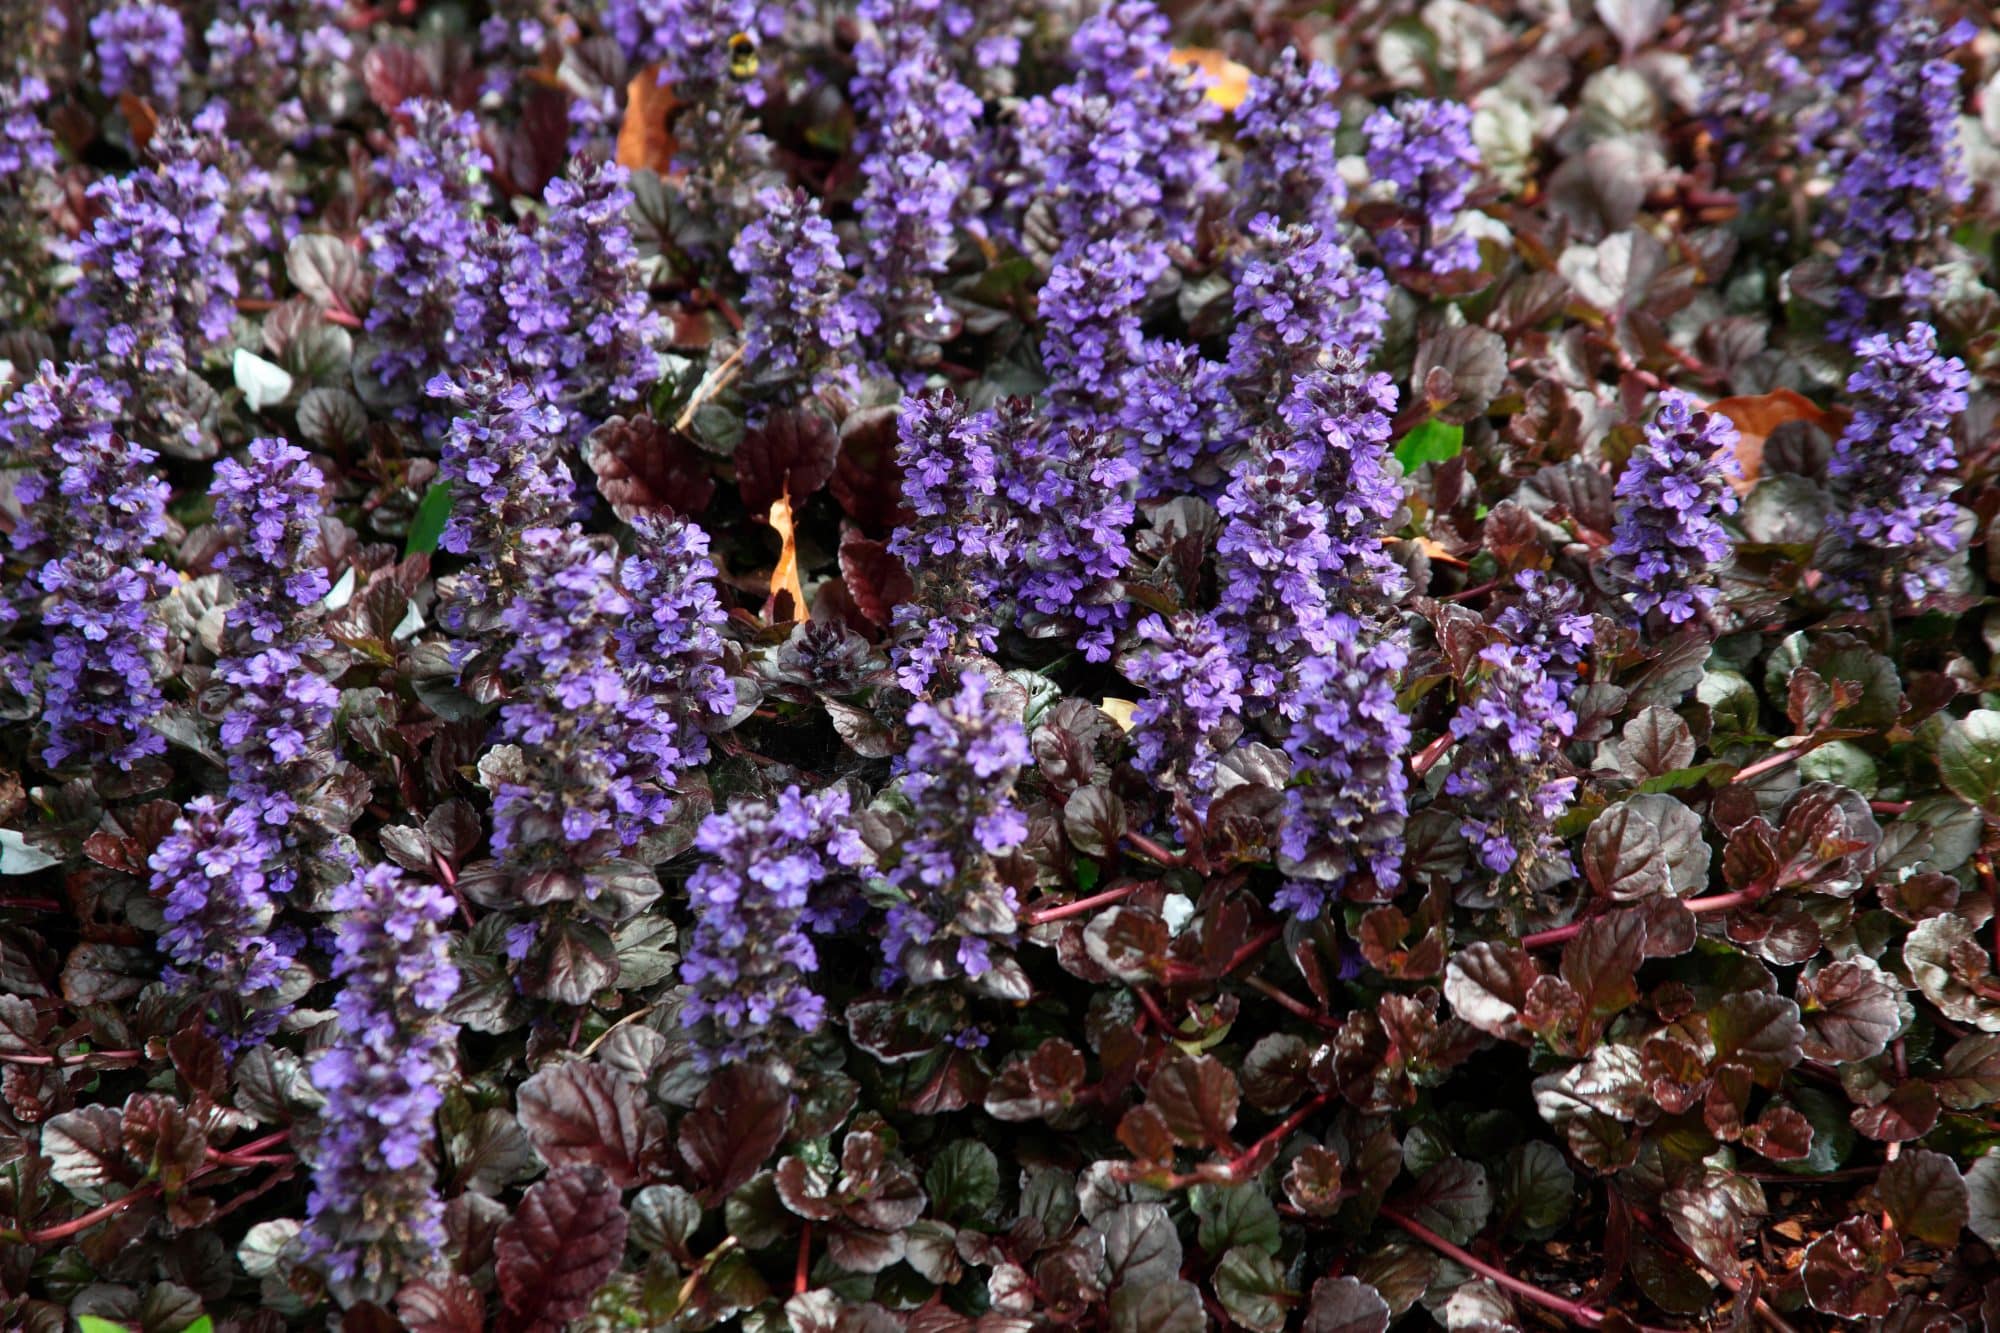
[1431,442]
[201,1325]
[1969,758]
[1252,1289]
[428,525]
[1237,1215]
[964,1180]
[91,1323]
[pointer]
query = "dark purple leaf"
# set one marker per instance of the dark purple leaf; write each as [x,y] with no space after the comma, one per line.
[561,1244]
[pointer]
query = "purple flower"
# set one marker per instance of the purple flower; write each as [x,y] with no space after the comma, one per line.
[374,1217]
[1895,528]
[1069,490]
[671,646]
[274,57]
[577,313]
[437,300]
[277,734]
[916,138]
[1191,713]
[1510,732]
[1423,148]
[1543,615]
[959,541]
[1122,155]
[503,459]
[1299,292]
[271,510]
[698,44]
[140,47]
[769,873]
[28,163]
[91,508]
[1673,493]
[596,753]
[797,328]
[1286,126]
[159,282]
[1180,412]
[218,880]
[1344,810]
[959,776]
[1897,176]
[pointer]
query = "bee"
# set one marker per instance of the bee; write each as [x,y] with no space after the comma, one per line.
[742,57]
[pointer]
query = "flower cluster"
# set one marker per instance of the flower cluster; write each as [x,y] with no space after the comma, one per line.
[219,882]
[1299,292]
[1897,178]
[1423,149]
[1510,733]
[1543,616]
[437,265]
[1673,494]
[1122,154]
[374,1218]
[959,776]
[158,287]
[275,736]
[28,162]
[1285,127]
[959,540]
[698,44]
[271,509]
[276,60]
[502,457]
[774,872]
[576,309]
[1344,811]
[1191,716]
[597,753]
[1896,528]
[140,46]
[917,140]
[671,645]
[92,507]
[1340,416]
[1069,489]
[797,328]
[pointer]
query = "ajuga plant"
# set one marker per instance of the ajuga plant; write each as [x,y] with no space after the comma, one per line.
[905,666]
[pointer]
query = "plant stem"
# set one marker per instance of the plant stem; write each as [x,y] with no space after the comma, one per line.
[87,1060]
[1768,763]
[1721,902]
[1246,1163]
[1290,1004]
[1146,847]
[1427,758]
[802,1275]
[1082,905]
[1257,943]
[1575,1311]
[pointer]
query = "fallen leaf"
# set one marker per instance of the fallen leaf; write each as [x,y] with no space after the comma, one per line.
[644,141]
[785,575]
[1228,82]
[1119,711]
[1757,415]
[140,115]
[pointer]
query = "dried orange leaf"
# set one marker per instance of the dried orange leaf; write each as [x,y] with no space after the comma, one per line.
[785,576]
[1228,82]
[644,142]
[140,115]
[1757,415]
[1119,710]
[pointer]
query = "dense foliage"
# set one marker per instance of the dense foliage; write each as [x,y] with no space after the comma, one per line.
[939,666]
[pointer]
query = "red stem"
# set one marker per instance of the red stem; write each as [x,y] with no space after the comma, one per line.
[1464,594]
[1573,1310]
[802,1277]
[1889,807]
[31,904]
[1721,902]
[1428,756]
[1289,1003]
[1152,1008]
[1145,846]
[1081,905]
[1768,763]
[1276,1138]
[88,1060]
[1177,972]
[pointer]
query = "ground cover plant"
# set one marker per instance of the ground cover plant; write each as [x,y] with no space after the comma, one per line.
[943,666]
